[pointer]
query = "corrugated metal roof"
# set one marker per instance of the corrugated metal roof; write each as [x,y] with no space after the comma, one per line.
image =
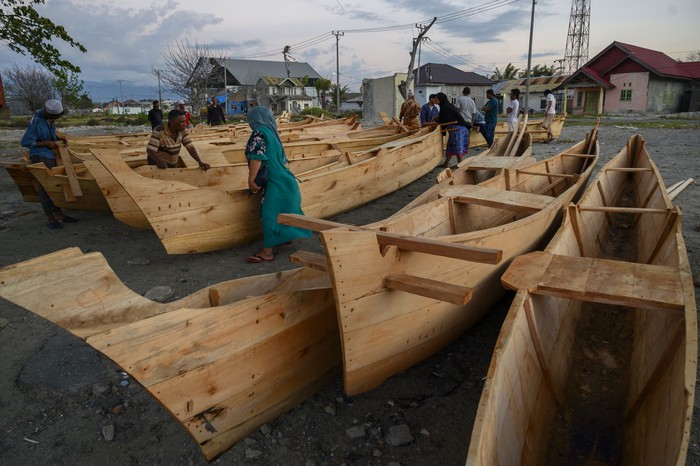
[247,72]
[438,73]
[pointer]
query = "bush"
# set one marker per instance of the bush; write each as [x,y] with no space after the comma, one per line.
[317,112]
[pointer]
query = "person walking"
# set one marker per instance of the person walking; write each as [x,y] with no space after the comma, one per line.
[457,127]
[549,113]
[269,176]
[40,138]
[155,115]
[215,114]
[512,110]
[490,116]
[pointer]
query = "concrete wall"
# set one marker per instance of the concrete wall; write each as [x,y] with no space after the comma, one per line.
[381,95]
[666,95]
[638,83]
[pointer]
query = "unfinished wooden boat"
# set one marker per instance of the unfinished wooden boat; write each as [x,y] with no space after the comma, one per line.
[408,286]
[196,218]
[223,361]
[596,361]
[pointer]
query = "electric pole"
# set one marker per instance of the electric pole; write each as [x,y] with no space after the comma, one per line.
[529,60]
[160,97]
[416,42]
[337,35]
[121,93]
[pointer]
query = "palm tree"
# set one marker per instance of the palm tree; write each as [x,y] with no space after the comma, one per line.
[322,86]
[510,72]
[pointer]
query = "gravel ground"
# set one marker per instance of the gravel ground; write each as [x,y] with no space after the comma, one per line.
[65,404]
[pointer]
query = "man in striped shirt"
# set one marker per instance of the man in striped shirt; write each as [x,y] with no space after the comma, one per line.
[166,140]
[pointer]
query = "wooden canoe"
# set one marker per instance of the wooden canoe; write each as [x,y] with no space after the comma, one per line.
[596,360]
[192,218]
[224,360]
[408,286]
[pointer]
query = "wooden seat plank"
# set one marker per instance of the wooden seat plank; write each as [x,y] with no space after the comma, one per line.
[597,280]
[405,242]
[487,163]
[309,259]
[429,288]
[511,200]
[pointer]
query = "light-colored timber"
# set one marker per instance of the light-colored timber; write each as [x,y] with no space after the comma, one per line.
[391,311]
[224,360]
[596,360]
[57,181]
[192,218]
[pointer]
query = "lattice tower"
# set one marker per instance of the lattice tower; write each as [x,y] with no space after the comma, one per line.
[577,40]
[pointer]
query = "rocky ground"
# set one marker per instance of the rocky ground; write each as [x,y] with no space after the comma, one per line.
[64,404]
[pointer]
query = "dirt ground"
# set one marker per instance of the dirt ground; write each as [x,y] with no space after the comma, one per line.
[61,400]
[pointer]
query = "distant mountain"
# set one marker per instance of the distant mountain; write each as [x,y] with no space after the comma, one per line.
[104,91]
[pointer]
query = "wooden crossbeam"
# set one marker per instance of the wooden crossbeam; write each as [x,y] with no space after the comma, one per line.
[511,200]
[309,259]
[405,242]
[429,288]
[555,175]
[583,156]
[628,169]
[598,280]
[623,210]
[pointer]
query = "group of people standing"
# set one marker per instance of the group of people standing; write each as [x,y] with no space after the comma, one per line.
[463,115]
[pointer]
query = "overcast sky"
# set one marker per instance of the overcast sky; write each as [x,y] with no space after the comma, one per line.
[125,39]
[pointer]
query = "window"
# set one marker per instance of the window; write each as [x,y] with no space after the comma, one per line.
[664,99]
[673,98]
[626,95]
[579,98]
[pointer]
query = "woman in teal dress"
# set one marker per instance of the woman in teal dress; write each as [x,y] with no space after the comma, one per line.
[268,174]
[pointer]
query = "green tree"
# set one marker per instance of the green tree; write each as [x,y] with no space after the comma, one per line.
[69,89]
[322,86]
[27,32]
[539,70]
[509,72]
[334,94]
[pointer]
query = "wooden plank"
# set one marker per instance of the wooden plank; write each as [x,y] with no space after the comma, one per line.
[583,156]
[628,169]
[214,297]
[537,344]
[70,171]
[556,175]
[623,210]
[491,197]
[429,288]
[598,280]
[672,193]
[405,242]
[309,259]
[494,162]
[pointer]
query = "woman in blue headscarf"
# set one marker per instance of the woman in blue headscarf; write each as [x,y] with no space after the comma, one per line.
[269,175]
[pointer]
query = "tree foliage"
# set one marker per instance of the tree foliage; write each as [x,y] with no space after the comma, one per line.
[322,85]
[29,85]
[539,70]
[334,94]
[186,70]
[27,32]
[33,86]
[509,72]
[693,56]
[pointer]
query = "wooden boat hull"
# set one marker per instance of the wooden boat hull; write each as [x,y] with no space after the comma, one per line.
[225,217]
[626,315]
[224,360]
[400,299]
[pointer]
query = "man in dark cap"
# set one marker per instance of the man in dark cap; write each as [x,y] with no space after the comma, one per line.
[40,138]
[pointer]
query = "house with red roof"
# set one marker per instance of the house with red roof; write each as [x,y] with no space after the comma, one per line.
[624,78]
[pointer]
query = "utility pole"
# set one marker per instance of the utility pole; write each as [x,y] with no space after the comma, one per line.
[160,97]
[416,42]
[121,93]
[529,60]
[223,60]
[337,35]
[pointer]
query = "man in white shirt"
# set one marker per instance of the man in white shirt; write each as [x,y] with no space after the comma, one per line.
[549,113]
[466,105]
[512,110]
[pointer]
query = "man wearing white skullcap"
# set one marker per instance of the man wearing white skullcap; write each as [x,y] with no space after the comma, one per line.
[40,138]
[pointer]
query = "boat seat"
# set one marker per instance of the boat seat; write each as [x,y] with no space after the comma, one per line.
[491,197]
[597,280]
[309,259]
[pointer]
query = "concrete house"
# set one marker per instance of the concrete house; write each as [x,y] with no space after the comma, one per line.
[432,78]
[238,76]
[283,94]
[538,85]
[624,78]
